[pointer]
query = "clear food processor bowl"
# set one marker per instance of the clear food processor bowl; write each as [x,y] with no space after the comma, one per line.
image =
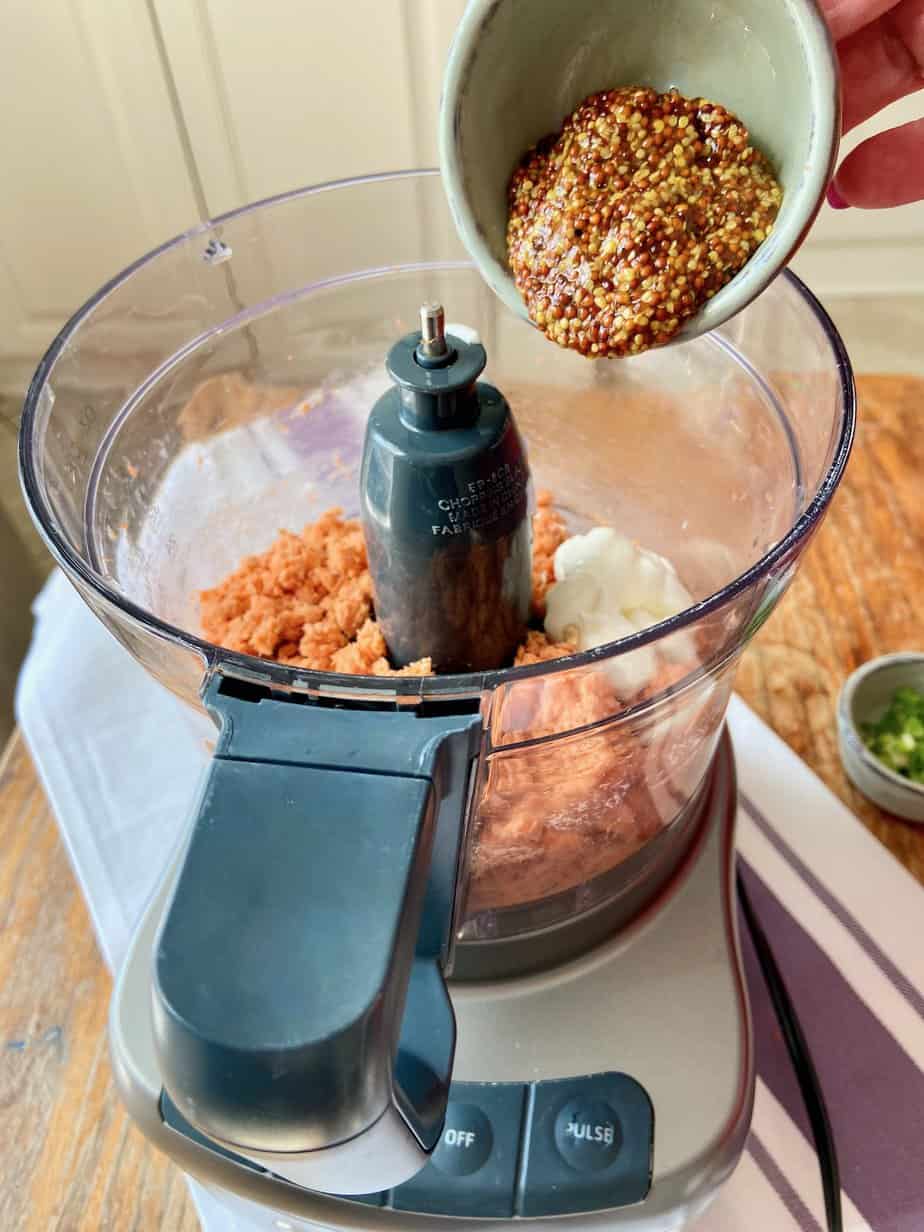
[217,392]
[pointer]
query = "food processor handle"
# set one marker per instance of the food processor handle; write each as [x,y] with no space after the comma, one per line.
[300,1010]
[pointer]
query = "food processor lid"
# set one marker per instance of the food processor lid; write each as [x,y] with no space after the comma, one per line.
[299,1002]
[402,691]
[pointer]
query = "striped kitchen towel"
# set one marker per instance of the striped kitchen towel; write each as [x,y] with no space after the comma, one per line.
[845,922]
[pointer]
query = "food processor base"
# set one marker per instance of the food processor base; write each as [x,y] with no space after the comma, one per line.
[612,1091]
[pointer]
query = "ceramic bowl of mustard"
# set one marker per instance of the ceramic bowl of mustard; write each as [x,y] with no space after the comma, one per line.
[518,68]
[865,697]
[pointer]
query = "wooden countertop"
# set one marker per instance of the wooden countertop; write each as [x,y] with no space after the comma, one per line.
[71,1160]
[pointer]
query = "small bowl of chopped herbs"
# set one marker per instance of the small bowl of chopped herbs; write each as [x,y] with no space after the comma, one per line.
[881,731]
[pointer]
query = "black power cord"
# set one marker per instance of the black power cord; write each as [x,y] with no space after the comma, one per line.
[806,1075]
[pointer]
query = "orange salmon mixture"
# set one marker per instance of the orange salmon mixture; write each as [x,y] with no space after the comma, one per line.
[549,817]
[307,600]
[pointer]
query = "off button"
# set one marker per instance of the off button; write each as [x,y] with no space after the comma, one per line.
[466,1142]
[473,1170]
[588,1134]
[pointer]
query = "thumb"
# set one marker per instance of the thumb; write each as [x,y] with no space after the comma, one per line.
[885,170]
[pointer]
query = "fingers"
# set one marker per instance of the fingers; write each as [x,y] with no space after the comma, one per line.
[882,62]
[886,170]
[846,17]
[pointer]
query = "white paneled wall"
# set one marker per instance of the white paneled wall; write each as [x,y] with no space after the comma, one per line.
[351,90]
[91,162]
[124,123]
[288,93]
[856,252]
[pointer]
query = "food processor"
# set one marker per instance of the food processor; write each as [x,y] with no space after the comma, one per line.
[435,950]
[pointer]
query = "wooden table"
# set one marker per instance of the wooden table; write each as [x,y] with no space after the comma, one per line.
[71,1160]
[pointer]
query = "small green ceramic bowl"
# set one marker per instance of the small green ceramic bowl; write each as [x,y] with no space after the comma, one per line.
[865,697]
[518,68]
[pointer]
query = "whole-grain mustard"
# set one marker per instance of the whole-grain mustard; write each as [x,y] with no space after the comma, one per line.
[624,224]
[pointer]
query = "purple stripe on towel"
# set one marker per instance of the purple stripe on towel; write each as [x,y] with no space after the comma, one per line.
[853,926]
[874,1091]
[784,1190]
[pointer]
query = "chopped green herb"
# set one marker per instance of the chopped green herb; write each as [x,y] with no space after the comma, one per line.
[897,739]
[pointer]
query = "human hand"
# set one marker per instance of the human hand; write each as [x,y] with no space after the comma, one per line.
[880,45]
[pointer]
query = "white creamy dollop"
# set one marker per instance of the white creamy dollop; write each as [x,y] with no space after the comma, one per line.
[607,587]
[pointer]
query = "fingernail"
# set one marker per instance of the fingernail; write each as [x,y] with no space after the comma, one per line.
[835,200]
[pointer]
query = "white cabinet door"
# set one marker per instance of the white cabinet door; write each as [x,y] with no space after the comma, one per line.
[290,93]
[91,159]
[294,92]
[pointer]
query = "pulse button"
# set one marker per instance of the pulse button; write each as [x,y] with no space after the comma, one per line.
[588,1134]
[588,1146]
